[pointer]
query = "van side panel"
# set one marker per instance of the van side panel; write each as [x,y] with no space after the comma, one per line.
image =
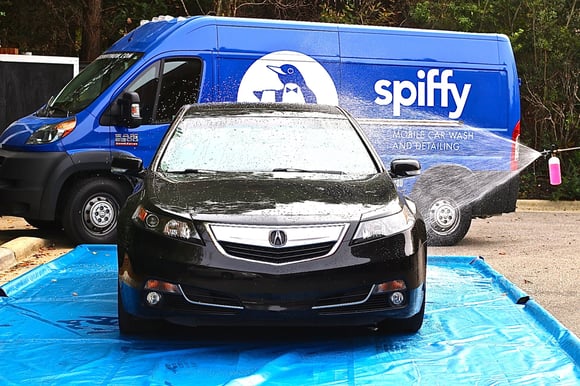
[392,89]
[417,45]
[251,72]
[261,39]
[372,62]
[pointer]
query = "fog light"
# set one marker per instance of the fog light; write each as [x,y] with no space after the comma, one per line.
[153,298]
[397,298]
[151,220]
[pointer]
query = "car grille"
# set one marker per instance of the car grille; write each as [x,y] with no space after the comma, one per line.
[374,303]
[277,245]
[277,255]
[357,296]
[179,303]
[206,298]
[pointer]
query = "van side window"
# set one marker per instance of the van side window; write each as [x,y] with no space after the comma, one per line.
[179,86]
[166,86]
[146,86]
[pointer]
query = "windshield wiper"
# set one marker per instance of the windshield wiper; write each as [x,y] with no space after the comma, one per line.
[295,170]
[54,108]
[191,171]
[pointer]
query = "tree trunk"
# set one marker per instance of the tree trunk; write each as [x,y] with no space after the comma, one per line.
[91,31]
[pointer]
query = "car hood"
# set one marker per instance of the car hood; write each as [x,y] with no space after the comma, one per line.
[273,198]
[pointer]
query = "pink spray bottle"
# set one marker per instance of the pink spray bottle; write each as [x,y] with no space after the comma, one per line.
[554,170]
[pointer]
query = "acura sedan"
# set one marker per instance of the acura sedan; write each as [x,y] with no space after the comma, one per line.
[269,215]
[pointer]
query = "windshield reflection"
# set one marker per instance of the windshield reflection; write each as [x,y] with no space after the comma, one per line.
[263,143]
[89,84]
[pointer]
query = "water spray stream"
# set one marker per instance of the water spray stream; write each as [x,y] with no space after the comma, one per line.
[466,171]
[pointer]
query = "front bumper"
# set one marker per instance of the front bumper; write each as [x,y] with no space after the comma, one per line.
[26,184]
[217,290]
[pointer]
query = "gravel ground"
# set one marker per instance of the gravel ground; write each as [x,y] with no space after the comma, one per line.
[537,250]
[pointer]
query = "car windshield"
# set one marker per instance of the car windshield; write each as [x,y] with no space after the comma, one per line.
[89,84]
[276,142]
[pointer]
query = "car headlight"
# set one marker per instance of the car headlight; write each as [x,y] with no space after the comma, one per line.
[171,227]
[384,226]
[53,132]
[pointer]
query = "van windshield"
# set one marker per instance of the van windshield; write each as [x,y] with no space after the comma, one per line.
[89,84]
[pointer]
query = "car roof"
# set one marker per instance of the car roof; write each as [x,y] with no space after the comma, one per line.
[233,108]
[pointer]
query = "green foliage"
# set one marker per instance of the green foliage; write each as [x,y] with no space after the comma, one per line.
[368,12]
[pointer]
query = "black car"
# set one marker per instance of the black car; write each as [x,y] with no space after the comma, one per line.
[269,214]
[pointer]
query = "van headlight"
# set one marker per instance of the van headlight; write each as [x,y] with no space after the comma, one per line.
[168,226]
[53,132]
[384,226]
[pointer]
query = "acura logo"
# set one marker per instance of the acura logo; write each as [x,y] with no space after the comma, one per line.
[278,238]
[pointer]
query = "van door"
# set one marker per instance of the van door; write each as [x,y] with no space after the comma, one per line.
[163,88]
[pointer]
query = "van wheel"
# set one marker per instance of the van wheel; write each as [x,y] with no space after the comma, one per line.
[91,212]
[444,199]
[447,222]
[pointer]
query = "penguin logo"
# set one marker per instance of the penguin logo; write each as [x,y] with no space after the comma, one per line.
[287,77]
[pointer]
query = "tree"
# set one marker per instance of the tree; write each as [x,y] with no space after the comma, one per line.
[91,31]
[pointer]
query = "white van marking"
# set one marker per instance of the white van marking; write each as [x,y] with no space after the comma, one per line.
[422,93]
[288,77]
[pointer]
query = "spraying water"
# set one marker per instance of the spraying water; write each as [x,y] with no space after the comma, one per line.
[466,171]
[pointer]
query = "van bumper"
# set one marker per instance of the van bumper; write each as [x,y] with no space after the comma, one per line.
[26,183]
[501,199]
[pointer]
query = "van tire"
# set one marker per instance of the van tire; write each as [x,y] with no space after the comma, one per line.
[444,199]
[91,213]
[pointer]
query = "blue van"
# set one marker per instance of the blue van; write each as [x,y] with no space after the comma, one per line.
[433,95]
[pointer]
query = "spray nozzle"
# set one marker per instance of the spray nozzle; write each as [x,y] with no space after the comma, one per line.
[553,151]
[548,153]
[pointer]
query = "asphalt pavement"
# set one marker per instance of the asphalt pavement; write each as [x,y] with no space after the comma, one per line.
[537,248]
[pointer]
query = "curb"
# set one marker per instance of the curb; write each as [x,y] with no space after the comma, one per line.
[547,206]
[14,250]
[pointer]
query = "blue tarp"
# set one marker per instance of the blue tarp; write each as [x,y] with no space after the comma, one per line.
[58,325]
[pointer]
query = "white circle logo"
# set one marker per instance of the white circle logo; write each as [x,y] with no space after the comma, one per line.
[288,77]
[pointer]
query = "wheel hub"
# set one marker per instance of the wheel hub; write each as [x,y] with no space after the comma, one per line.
[444,215]
[100,212]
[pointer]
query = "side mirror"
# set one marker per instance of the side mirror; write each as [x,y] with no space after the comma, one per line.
[401,168]
[127,166]
[130,113]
